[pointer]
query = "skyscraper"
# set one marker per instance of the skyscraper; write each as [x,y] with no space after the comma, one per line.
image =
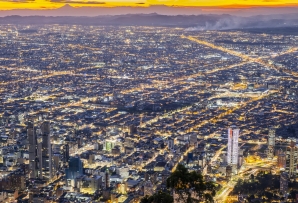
[32,145]
[232,155]
[281,160]
[291,159]
[46,150]
[40,150]
[75,168]
[284,183]
[170,144]
[107,179]
[271,137]
[271,143]
[66,153]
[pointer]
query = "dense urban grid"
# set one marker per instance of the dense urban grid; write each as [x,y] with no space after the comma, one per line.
[97,114]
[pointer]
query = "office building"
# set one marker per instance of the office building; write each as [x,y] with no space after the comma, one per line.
[271,137]
[66,153]
[240,158]
[284,183]
[123,172]
[291,159]
[109,145]
[46,150]
[281,160]
[170,144]
[88,184]
[40,150]
[271,143]
[15,180]
[32,145]
[193,140]
[132,129]
[107,179]
[75,168]
[202,160]
[122,188]
[232,154]
[56,165]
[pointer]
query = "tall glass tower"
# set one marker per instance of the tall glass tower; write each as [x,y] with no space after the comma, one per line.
[75,168]
[233,148]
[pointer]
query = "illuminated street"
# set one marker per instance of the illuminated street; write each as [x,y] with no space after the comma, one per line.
[107,114]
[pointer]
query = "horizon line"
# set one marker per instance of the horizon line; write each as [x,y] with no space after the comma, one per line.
[139,5]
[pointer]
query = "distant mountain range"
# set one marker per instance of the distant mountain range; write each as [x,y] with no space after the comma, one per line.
[191,22]
[68,10]
[65,15]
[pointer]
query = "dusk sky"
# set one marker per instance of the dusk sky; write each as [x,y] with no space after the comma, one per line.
[54,4]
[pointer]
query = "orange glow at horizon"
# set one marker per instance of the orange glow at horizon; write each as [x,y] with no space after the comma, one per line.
[54,4]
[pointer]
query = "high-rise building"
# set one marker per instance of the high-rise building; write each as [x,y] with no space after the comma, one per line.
[32,145]
[170,144]
[281,160]
[107,179]
[240,158]
[232,154]
[40,150]
[271,137]
[202,160]
[75,168]
[109,145]
[66,153]
[132,129]
[193,140]
[46,150]
[56,162]
[271,143]
[284,183]
[291,159]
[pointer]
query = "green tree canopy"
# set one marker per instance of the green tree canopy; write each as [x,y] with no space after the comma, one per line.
[159,197]
[190,186]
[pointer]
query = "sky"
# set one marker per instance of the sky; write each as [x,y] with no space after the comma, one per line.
[54,4]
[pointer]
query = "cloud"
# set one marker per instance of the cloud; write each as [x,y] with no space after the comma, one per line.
[76,2]
[18,1]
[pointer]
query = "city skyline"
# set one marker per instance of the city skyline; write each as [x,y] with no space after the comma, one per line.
[149,107]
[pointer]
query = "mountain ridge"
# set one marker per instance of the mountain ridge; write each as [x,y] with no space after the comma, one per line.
[68,10]
[191,22]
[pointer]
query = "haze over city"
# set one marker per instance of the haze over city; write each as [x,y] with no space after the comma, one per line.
[148,101]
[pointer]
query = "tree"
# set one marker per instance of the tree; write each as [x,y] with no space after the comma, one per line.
[190,186]
[252,177]
[159,197]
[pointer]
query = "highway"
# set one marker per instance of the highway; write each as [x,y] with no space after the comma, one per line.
[242,174]
[294,49]
[244,57]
